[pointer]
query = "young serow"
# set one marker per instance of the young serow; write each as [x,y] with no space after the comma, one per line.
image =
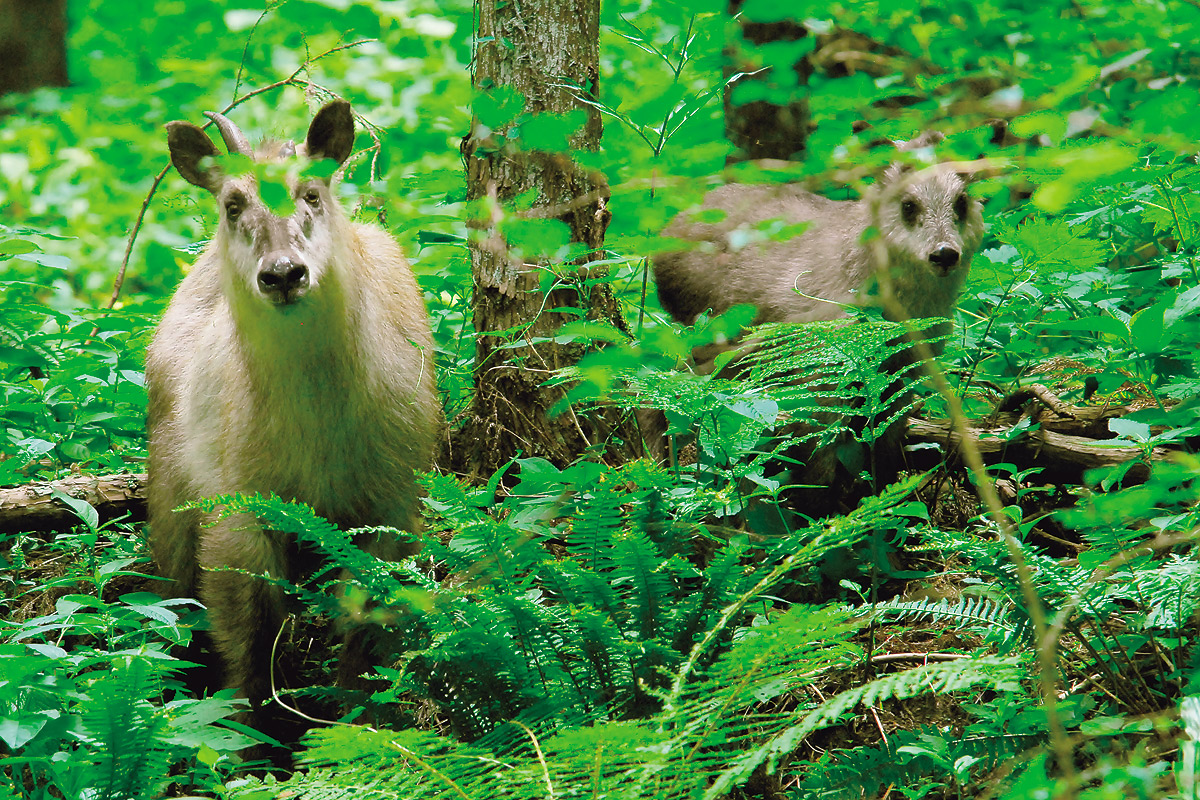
[295,358]
[928,228]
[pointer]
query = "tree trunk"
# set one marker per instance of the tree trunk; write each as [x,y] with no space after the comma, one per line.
[535,48]
[766,114]
[33,44]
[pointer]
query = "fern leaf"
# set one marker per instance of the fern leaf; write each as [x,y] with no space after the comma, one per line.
[128,732]
[966,611]
[999,673]
[299,520]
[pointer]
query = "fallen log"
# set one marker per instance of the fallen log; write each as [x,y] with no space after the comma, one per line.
[33,507]
[1065,440]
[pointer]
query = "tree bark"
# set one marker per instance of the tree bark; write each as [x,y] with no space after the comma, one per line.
[33,44]
[775,126]
[538,48]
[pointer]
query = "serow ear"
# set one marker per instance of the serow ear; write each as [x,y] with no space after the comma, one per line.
[967,175]
[188,144]
[331,134]
[921,140]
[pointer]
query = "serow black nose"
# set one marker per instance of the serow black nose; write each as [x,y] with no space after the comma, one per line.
[944,257]
[283,278]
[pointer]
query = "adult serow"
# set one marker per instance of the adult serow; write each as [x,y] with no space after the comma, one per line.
[927,227]
[295,358]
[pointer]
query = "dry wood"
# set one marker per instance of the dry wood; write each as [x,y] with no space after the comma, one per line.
[1067,441]
[32,507]
[1036,391]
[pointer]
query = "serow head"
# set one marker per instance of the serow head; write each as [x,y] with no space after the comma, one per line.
[927,217]
[277,252]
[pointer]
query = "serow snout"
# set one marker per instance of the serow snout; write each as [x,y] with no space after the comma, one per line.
[282,281]
[944,258]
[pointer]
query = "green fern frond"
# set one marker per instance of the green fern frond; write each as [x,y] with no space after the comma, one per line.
[494,553]
[1168,595]
[402,764]
[773,659]
[600,647]
[476,676]
[595,527]
[127,731]
[572,584]
[723,580]
[638,575]
[299,520]
[968,611]
[818,366]
[998,673]
[452,500]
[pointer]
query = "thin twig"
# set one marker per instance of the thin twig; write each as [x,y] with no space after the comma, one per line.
[884,658]
[237,82]
[137,226]
[275,692]
[879,726]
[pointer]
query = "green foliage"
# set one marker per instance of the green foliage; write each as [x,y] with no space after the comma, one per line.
[991,620]
[843,366]
[630,630]
[709,734]
[816,385]
[523,636]
[72,389]
[90,706]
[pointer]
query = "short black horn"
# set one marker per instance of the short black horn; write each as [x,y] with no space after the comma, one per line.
[235,140]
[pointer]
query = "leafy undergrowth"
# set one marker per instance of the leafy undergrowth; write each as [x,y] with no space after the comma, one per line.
[594,628]
[630,630]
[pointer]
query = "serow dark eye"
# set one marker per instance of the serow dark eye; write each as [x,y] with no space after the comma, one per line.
[233,210]
[909,211]
[312,197]
[960,207]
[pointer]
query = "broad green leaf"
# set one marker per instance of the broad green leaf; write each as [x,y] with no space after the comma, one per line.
[1128,429]
[10,247]
[1052,244]
[1147,329]
[551,132]
[498,107]
[1051,123]
[1106,325]
[20,728]
[82,508]
[273,188]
